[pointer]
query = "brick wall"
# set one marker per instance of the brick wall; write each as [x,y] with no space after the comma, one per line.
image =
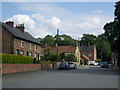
[14,68]
[17,45]
[56,64]
[7,42]
[46,66]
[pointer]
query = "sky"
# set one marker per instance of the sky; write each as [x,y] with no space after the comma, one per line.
[71,18]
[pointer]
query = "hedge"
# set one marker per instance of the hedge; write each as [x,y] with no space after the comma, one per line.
[16,59]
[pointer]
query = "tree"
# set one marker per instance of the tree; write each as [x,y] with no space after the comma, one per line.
[102,45]
[112,31]
[103,50]
[88,39]
[65,40]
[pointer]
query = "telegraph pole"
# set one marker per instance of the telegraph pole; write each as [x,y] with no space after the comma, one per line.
[79,49]
[57,39]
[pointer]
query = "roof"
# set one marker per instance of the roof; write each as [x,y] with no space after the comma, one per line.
[85,58]
[87,48]
[19,34]
[61,49]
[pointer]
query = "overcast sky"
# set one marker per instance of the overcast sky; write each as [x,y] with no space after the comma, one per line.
[72,18]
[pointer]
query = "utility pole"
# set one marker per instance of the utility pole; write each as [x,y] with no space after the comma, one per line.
[79,49]
[57,40]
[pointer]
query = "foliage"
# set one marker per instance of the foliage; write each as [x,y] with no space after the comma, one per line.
[49,56]
[16,59]
[98,60]
[103,46]
[71,58]
[88,39]
[62,40]
[65,40]
[112,31]
[81,62]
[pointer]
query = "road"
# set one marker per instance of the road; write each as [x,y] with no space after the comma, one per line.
[83,77]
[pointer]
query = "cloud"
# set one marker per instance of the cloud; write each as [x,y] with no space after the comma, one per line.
[98,11]
[30,25]
[47,17]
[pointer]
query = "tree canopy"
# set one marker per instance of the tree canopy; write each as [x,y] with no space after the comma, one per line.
[62,40]
[112,31]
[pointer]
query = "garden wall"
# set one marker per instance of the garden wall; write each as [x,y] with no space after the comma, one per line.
[46,66]
[14,68]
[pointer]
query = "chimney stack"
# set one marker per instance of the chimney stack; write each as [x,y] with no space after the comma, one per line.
[10,23]
[20,27]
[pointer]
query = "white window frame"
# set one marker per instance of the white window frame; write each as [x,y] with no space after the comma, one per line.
[30,45]
[22,44]
[35,55]
[21,52]
[35,48]
[90,55]
[30,54]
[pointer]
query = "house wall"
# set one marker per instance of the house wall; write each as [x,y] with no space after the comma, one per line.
[7,42]
[26,47]
[89,54]
[10,44]
[77,53]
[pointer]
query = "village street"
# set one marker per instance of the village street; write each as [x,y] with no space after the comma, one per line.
[83,77]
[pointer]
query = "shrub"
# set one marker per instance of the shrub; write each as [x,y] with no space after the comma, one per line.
[16,59]
[71,58]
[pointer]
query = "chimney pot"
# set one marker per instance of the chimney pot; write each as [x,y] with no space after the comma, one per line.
[20,27]
[10,23]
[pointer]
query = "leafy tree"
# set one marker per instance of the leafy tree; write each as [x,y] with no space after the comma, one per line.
[102,44]
[65,40]
[112,31]
[88,39]
[103,50]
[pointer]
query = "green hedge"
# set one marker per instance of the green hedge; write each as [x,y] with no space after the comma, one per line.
[16,59]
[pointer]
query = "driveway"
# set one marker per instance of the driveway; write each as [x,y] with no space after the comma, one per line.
[83,77]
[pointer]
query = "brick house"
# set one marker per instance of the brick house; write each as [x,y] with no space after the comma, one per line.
[16,41]
[86,53]
[65,49]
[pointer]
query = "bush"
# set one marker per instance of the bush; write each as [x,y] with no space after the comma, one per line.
[16,59]
[71,58]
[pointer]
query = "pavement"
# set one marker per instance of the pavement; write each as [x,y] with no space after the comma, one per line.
[83,77]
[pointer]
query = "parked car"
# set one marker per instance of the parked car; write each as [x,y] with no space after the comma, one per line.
[72,65]
[92,63]
[96,64]
[64,66]
[104,65]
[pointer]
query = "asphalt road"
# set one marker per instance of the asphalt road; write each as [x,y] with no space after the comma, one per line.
[84,77]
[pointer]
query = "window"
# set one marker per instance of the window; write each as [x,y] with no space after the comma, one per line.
[89,55]
[17,52]
[35,47]
[35,55]
[22,44]
[30,54]
[30,45]
[83,54]
[21,52]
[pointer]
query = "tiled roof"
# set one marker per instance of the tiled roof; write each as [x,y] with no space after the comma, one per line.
[19,34]
[61,49]
[85,58]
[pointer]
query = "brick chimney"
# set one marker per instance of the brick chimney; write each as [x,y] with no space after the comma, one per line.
[10,23]
[20,27]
